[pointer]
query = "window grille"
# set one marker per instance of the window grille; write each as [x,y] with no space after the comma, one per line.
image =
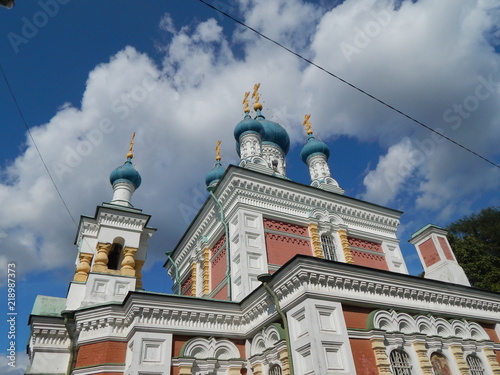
[475,365]
[275,370]
[328,247]
[400,362]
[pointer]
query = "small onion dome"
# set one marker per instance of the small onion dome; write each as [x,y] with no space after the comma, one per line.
[126,173]
[314,147]
[246,125]
[215,174]
[274,133]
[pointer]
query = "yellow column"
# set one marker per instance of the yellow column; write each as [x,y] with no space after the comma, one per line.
[138,273]
[128,262]
[185,370]
[285,363]
[234,371]
[83,268]
[383,364]
[315,240]
[492,360]
[345,246]
[257,369]
[425,363]
[206,270]
[458,353]
[194,269]
[101,259]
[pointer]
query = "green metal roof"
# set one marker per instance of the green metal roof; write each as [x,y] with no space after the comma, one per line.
[48,306]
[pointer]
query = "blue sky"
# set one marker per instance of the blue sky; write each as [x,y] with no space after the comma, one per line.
[175,72]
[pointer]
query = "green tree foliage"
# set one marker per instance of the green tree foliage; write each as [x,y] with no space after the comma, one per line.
[475,239]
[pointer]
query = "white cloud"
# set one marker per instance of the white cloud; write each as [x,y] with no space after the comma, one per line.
[424,58]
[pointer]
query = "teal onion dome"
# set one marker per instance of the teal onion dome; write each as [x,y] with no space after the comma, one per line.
[274,133]
[314,147]
[247,125]
[126,173]
[215,174]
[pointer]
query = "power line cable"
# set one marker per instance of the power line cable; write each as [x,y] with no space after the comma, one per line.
[348,83]
[34,144]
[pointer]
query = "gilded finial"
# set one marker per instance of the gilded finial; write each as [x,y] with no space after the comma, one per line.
[307,124]
[217,150]
[130,154]
[256,97]
[246,109]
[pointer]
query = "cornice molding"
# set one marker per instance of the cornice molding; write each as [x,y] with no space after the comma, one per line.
[299,279]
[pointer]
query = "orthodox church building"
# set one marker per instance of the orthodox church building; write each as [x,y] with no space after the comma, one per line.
[271,277]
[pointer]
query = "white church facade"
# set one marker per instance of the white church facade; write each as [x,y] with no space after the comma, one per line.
[271,277]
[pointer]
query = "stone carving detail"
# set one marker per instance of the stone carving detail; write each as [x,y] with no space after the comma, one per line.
[391,321]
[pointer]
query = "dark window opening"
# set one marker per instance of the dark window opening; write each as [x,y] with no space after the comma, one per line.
[114,257]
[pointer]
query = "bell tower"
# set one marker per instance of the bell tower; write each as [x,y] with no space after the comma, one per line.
[112,245]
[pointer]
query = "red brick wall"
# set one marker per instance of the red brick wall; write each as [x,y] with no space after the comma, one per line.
[369,260]
[218,263]
[222,294]
[490,330]
[355,317]
[364,244]
[186,286]
[177,342]
[102,352]
[429,252]
[365,258]
[364,358]
[446,248]
[281,247]
[285,227]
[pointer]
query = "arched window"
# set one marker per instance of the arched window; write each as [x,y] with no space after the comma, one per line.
[440,364]
[275,370]
[475,365]
[114,256]
[400,362]
[328,247]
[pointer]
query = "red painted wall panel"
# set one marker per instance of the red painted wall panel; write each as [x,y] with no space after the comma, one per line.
[429,252]
[446,248]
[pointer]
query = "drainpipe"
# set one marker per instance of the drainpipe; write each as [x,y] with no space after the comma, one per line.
[226,231]
[176,271]
[264,279]
[71,334]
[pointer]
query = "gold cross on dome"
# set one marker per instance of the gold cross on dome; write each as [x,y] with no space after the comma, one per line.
[130,153]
